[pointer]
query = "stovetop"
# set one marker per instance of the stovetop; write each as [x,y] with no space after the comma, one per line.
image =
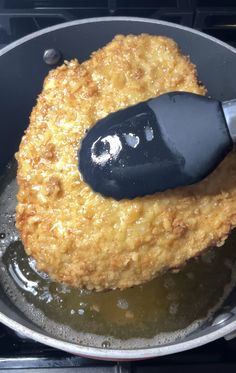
[21,17]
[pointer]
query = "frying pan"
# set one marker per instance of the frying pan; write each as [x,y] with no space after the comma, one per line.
[22,71]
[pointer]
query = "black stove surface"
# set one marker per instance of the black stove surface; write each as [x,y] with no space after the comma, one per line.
[21,17]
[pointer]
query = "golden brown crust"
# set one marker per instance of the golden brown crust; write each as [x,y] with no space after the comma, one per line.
[81,238]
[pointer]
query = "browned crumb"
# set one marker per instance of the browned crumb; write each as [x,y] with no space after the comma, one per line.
[129,315]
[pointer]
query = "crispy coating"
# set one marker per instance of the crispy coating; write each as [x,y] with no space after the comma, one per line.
[81,238]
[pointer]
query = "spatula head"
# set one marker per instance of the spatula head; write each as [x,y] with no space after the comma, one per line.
[173,140]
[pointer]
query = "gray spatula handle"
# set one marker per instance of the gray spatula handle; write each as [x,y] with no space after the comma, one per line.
[229,109]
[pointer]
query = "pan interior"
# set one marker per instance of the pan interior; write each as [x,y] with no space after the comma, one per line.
[160,312]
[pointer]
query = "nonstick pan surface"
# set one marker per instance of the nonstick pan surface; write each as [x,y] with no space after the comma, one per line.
[22,71]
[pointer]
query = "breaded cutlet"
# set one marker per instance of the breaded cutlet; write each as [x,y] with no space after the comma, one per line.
[82,238]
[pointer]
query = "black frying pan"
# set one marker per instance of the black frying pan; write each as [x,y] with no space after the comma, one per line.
[22,71]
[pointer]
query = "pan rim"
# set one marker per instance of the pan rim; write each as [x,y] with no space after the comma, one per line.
[95,352]
[117,354]
[108,19]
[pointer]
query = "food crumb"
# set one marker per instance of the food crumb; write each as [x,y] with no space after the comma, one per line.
[95,308]
[129,315]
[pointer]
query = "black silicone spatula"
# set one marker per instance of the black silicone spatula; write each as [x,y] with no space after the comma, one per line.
[173,140]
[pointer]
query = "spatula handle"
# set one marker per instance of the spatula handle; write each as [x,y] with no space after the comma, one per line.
[229,109]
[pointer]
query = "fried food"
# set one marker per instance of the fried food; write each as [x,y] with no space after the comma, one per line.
[81,238]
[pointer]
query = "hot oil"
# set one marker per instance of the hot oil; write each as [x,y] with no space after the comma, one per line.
[166,304]
[169,307]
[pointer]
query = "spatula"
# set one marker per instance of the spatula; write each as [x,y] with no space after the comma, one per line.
[173,140]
